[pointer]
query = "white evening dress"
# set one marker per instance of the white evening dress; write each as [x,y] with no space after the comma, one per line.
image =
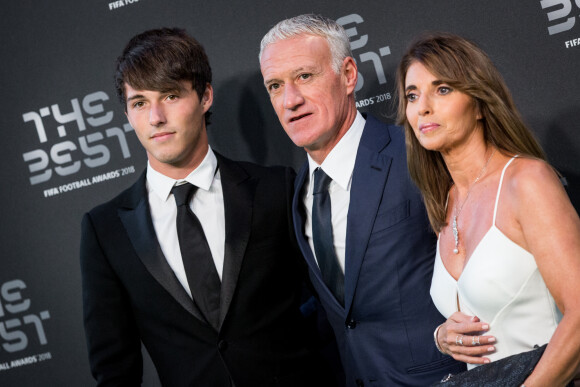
[500,284]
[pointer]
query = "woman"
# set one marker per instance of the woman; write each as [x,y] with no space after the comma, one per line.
[507,270]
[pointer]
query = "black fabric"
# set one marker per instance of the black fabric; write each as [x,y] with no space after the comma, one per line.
[200,270]
[322,236]
[509,371]
[132,297]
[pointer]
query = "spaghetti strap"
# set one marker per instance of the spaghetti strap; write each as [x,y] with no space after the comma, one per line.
[499,188]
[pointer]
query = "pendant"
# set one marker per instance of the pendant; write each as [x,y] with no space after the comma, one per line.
[455,234]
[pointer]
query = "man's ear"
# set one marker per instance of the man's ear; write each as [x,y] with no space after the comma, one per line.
[350,72]
[207,97]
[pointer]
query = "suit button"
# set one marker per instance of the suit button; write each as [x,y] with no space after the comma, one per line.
[222,345]
[350,324]
[360,383]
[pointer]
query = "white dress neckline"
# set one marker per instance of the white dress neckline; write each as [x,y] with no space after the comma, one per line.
[500,284]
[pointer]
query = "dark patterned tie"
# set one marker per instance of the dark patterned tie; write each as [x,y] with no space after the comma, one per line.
[200,269]
[322,236]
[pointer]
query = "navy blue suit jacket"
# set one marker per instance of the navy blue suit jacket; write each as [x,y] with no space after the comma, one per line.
[385,330]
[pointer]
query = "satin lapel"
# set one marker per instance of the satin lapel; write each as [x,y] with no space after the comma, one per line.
[368,183]
[299,218]
[136,218]
[238,189]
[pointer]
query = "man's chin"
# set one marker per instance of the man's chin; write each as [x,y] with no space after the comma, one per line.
[301,138]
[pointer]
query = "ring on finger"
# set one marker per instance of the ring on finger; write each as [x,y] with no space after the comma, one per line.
[459,340]
[474,340]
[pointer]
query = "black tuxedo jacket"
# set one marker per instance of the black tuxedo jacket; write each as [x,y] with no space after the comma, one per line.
[131,295]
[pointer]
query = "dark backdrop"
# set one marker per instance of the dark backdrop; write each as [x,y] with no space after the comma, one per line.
[66,144]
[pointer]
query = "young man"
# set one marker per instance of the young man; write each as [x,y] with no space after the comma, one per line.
[359,220]
[197,259]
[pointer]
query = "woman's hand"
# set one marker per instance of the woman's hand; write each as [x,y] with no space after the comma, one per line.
[460,336]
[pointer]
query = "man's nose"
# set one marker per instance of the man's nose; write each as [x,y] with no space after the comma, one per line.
[292,97]
[156,115]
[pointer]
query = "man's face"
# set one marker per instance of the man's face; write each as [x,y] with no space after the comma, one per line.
[314,104]
[170,125]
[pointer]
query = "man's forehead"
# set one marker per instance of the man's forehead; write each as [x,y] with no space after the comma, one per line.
[296,40]
[182,85]
[300,51]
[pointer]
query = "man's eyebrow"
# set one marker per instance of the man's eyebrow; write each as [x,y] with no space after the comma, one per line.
[294,73]
[309,69]
[270,81]
[136,96]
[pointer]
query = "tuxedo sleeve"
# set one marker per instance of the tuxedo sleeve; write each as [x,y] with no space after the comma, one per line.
[112,337]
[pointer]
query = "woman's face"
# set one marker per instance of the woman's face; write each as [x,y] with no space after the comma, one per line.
[442,118]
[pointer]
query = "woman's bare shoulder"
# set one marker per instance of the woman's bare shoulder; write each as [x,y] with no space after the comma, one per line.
[528,176]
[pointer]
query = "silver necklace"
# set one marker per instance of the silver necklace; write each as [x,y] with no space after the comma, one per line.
[458,211]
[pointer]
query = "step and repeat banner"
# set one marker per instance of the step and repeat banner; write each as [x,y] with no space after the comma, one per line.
[66,145]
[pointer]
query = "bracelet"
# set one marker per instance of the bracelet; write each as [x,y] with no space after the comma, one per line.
[435,339]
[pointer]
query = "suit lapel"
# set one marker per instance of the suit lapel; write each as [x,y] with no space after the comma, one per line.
[299,218]
[238,190]
[136,219]
[298,213]
[368,182]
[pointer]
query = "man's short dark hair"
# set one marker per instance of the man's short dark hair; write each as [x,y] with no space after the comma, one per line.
[159,60]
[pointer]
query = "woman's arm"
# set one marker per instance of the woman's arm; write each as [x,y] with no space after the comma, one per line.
[550,230]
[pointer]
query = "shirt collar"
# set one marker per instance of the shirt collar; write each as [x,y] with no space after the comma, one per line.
[202,177]
[339,163]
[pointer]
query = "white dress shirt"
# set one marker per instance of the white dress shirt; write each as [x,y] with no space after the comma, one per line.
[338,165]
[207,204]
